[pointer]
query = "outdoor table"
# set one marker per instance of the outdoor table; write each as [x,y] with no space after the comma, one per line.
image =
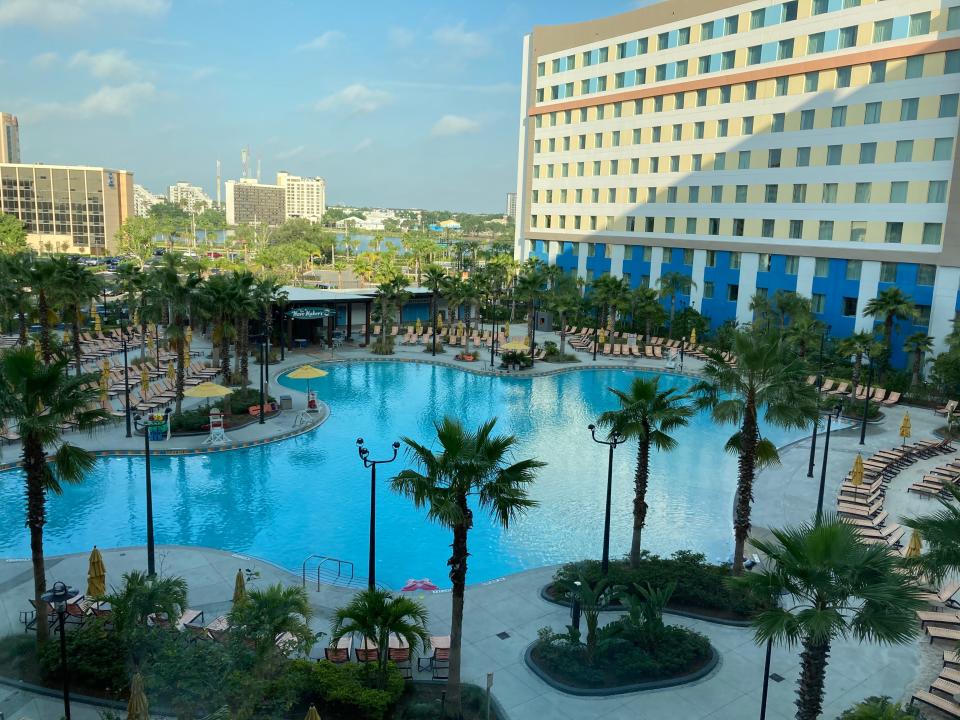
[300,342]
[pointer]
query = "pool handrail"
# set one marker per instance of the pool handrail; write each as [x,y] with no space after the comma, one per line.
[341,565]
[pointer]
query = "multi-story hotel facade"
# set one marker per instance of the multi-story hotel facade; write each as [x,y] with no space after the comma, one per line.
[304,197]
[807,145]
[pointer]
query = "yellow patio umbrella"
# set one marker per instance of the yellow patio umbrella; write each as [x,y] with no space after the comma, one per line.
[693,336]
[506,330]
[144,377]
[603,336]
[913,547]
[171,371]
[207,390]
[137,708]
[149,340]
[312,714]
[856,475]
[104,385]
[189,334]
[905,427]
[36,349]
[308,373]
[419,326]
[439,322]
[518,345]
[239,588]
[96,575]
[97,327]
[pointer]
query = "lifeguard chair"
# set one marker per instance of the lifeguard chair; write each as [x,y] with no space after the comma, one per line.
[311,401]
[217,434]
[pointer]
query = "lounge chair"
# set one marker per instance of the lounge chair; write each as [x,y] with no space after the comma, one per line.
[841,389]
[892,399]
[945,595]
[940,633]
[340,653]
[368,652]
[398,653]
[879,394]
[439,660]
[934,617]
[940,703]
[826,386]
[947,409]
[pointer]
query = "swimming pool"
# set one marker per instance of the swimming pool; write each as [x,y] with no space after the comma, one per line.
[310,494]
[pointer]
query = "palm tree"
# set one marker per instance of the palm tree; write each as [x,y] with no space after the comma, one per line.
[643,302]
[563,300]
[672,284]
[609,294]
[43,283]
[471,464]
[18,269]
[378,614]
[436,280]
[856,346]
[40,398]
[919,343]
[890,305]
[265,614]
[803,333]
[530,288]
[75,287]
[647,414]
[761,306]
[338,267]
[244,308]
[180,295]
[141,596]
[838,586]
[789,305]
[941,533]
[767,378]
[218,299]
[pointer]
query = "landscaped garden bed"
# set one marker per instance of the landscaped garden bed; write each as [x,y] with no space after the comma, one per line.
[236,413]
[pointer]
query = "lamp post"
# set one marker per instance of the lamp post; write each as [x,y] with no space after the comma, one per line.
[575,607]
[372,464]
[146,426]
[766,680]
[866,400]
[816,420]
[826,451]
[263,354]
[613,439]
[58,595]
[596,331]
[126,378]
[533,333]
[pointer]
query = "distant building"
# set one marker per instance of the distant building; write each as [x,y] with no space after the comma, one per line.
[143,200]
[9,138]
[511,206]
[250,202]
[65,208]
[190,197]
[304,197]
[370,224]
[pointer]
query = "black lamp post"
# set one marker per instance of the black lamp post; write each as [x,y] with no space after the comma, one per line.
[372,464]
[126,378]
[596,331]
[575,607]
[58,595]
[613,439]
[533,333]
[263,369]
[816,420]
[826,451]
[866,401]
[146,426]
[766,680]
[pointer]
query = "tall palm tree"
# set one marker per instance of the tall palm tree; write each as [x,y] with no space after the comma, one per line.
[644,303]
[919,344]
[789,305]
[40,398]
[563,300]
[43,283]
[836,586]
[218,299]
[609,294]
[180,293]
[378,614]
[767,379]
[244,309]
[435,279]
[803,334]
[890,305]
[265,614]
[75,288]
[390,295]
[140,596]
[531,287]
[857,346]
[647,414]
[941,533]
[670,285]
[18,269]
[472,465]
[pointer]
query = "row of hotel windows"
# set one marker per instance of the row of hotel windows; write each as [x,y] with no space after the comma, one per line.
[867,153]
[867,114]
[893,232]
[862,192]
[842,77]
[730,25]
[828,41]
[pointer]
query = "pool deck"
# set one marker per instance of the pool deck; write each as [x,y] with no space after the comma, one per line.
[512,605]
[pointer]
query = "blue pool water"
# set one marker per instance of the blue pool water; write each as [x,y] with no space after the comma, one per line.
[285,501]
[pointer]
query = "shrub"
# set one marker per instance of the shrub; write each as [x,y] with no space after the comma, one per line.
[699,585]
[880,708]
[512,358]
[241,400]
[346,691]
[382,346]
[96,659]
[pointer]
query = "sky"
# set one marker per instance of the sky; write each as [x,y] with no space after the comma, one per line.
[397,104]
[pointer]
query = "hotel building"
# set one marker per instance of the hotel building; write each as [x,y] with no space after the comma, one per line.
[806,145]
[304,197]
[9,138]
[67,208]
[250,202]
[190,197]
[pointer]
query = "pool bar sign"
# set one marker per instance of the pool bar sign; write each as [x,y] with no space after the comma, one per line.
[309,313]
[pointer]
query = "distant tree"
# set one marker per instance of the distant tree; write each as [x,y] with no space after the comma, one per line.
[670,285]
[888,306]
[13,235]
[919,344]
[135,239]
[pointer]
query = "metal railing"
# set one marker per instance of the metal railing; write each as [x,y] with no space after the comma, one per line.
[330,570]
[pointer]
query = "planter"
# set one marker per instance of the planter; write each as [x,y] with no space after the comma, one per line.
[465,358]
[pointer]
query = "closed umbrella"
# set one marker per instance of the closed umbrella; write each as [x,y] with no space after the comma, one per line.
[189,334]
[171,371]
[693,336]
[905,428]
[144,378]
[97,327]
[239,588]
[312,714]
[856,474]
[913,547]
[96,575]
[104,385]
[137,708]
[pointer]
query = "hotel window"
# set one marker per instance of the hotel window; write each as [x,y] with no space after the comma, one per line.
[898,191]
[598,140]
[593,222]
[942,148]
[663,40]
[595,195]
[790,11]
[743,160]
[651,195]
[533,221]
[806,119]
[843,77]
[632,195]
[919,24]
[731,24]
[631,223]
[926,274]
[848,37]
[552,145]
[658,103]
[904,151]
[915,67]
[888,272]
[909,108]
[677,132]
[829,194]
[825,231]
[683,36]
[796,229]
[800,193]
[638,104]
[764,263]
[850,4]
[576,222]
[893,233]
[596,168]
[773,157]
[537,146]
[703,65]
[565,170]
[948,105]
[756,19]
[733,292]
[660,73]
[868,153]
[669,225]
[563,222]
[770,193]
[693,193]
[698,130]
[681,68]
[679,101]
[711,259]
[720,161]
[849,308]
[708,290]
[656,133]
[701,98]
[883,30]
[611,195]
[727,60]
[536,171]
[713,226]
[778,122]
[767,228]
[819,7]
[674,163]
[734,263]
[583,114]
[724,94]
[816,43]
[581,142]
[578,195]
[541,69]
[566,144]
[706,31]
[618,109]
[931,233]
[781,86]
[738,225]
[636,136]
[746,126]
[691,226]
[740,195]
[858,231]
[803,156]
[716,194]
[580,169]
[672,194]
[615,138]
[878,71]
[696,162]
[647,227]
[838,116]
[821,268]
[785,49]
[937,191]
[634,165]
[791,264]
[952,61]
[750,90]
[818,303]
[647,254]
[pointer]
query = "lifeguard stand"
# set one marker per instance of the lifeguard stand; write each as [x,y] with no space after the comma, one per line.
[217,434]
[311,401]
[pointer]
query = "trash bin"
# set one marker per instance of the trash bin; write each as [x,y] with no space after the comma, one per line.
[286,402]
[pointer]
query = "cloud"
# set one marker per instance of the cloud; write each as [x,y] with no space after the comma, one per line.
[47,13]
[364,144]
[450,125]
[108,100]
[292,152]
[202,72]
[109,63]
[492,88]
[44,60]
[356,98]
[401,37]
[459,39]
[321,42]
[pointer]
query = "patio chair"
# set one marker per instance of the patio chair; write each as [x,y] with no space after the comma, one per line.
[340,653]
[841,389]
[399,653]
[368,652]
[892,399]
[940,703]
[950,407]
[439,661]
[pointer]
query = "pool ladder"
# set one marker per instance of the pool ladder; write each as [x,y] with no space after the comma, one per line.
[329,570]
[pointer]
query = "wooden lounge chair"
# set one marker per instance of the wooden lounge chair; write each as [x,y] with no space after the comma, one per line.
[940,703]
[841,389]
[945,596]
[879,394]
[950,407]
[947,619]
[940,633]
[398,653]
[340,653]
[368,652]
[892,399]
[826,386]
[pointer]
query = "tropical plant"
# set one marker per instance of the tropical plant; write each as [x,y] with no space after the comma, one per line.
[644,304]
[941,533]
[338,267]
[857,346]
[880,708]
[264,615]
[804,333]
[836,586]
[592,597]
[609,294]
[563,300]
[75,287]
[470,465]
[647,414]
[378,614]
[789,306]
[43,283]
[140,598]
[13,235]
[919,344]
[16,271]
[390,297]
[135,239]
[888,306]
[672,284]
[767,379]
[435,280]
[531,288]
